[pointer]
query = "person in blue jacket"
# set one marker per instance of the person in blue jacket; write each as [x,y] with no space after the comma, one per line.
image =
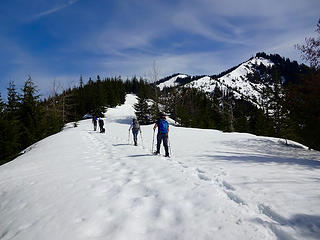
[163,131]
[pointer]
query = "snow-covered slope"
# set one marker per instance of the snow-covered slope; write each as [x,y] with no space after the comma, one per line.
[80,184]
[171,82]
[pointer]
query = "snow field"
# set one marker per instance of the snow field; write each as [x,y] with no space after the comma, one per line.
[80,184]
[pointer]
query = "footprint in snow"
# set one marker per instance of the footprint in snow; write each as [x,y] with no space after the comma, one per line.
[184,166]
[203,177]
[228,186]
[200,171]
[235,198]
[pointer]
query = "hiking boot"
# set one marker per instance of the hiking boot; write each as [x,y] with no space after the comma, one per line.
[156,153]
[167,155]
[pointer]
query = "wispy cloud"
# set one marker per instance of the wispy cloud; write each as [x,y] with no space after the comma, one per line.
[54,9]
[195,25]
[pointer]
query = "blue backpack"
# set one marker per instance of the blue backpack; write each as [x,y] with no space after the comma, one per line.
[163,126]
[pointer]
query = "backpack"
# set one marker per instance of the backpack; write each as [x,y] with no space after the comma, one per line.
[163,126]
[135,126]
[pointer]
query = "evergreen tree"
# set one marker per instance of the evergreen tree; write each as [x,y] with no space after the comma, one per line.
[276,102]
[142,111]
[9,135]
[30,114]
[154,111]
[81,98]
[304,109]
[2,106]
[13,100]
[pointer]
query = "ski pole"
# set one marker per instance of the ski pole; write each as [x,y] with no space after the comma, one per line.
[141,139]
[152,141]
[169,146]
[129,137]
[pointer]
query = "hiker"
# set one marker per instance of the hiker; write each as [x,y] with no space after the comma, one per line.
[94,121]
[101,123]
[163,130]
[135,126]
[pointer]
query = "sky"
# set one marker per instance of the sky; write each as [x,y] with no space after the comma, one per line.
[57,41]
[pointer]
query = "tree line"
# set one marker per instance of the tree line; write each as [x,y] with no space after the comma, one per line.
[24,119]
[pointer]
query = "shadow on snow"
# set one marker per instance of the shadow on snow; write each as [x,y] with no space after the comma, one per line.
[305,225]
[139,155]
[265,159]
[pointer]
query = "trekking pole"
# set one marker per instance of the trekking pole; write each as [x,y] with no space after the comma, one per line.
[152,141]
[169,146]
[141,139]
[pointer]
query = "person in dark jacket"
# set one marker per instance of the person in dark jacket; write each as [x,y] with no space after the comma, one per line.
[135,126]
[101,124]
[94,121]
[163,131]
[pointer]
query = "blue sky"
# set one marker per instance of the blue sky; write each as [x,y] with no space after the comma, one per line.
[59,40]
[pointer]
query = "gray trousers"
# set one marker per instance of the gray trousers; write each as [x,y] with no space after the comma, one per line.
[162,137]
[135,136]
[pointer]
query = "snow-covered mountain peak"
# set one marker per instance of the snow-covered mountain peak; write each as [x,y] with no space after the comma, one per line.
[259,61]
[172,82]
[247,67]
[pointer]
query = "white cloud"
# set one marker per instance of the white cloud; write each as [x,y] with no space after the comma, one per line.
[195,25]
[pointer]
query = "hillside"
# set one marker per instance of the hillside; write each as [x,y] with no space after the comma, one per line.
[80,184]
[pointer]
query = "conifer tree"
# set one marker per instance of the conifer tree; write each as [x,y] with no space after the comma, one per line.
[154,111]
[142,111]
[277,102]
[30,114]
[13,100]
[9,135]
[2,105]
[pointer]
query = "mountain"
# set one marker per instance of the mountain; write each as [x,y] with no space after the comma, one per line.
[237,80]
[80,184]
[249,80]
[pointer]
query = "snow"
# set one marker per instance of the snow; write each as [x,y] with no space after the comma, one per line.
[80,184]
[207,84]
[171,82]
